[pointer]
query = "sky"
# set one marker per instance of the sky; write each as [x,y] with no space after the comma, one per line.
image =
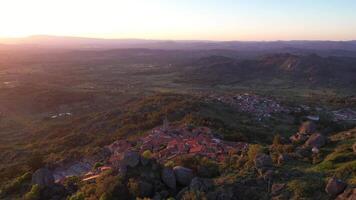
[181,19]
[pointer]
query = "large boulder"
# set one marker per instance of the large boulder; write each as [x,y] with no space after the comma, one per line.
[183,175]
[131,158]
[316,140]
[169,178]
[201,184]
[335,186]
[263,161]
[307,127]
[348,194]
[43,177]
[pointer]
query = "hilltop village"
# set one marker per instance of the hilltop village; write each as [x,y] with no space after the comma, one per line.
[166,142]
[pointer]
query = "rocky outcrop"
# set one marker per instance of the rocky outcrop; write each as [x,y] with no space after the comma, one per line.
[335,186]
[316,140]
[263,161]
[43,177]
[169,178]
[348,194]
[131,158]
[183,175]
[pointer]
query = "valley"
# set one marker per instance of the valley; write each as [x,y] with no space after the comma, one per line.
[184,124]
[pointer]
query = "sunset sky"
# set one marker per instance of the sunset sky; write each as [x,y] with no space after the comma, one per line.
[181,19]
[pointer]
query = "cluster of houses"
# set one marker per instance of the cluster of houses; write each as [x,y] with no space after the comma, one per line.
[166,143]
[261,107]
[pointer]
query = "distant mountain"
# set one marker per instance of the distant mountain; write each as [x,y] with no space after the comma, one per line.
[269,46]
[297,70]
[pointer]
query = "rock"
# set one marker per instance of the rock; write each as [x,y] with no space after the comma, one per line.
[131,158]
[201,184]
[316,140]
[145,189]
[335,187]
[43,177]
[169,178]
[307,127]
[283,158]
[263,161]
[183,175]
[348,194]
[277,188]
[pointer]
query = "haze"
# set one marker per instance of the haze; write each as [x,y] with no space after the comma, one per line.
[181,20]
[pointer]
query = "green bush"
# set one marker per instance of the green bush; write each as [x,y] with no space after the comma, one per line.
[307,187]
[253,150]
[34,193]
[15,185]
[147,154]
[98,164]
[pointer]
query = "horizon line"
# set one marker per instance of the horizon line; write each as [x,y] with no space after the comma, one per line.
[177,40]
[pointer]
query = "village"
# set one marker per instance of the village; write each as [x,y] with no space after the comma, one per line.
[166,143]
[261,107]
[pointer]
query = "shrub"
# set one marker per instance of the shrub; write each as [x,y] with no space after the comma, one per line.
[208,168]
[34,193]
[77,196]
[306,187]
[169,163]
[98,164]
[16,184]
[147,154]
[111,187]
[72,183]
[253,150]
